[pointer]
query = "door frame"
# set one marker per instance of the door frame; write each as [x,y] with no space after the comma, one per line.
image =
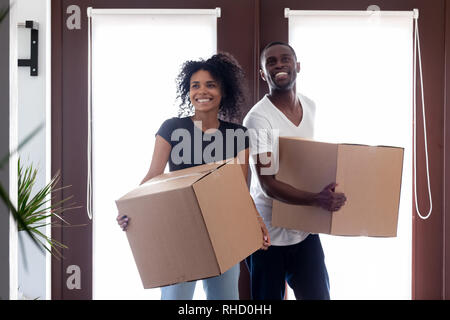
[430,256]
[236,35]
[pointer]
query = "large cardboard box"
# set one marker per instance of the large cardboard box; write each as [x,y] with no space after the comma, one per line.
[191,224]
[370,177]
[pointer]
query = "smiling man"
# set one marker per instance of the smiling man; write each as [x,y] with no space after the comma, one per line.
[295,256]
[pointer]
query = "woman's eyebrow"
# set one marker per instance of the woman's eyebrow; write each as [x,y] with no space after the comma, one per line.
[208,81]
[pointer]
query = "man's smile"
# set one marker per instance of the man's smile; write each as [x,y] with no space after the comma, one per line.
[281,75]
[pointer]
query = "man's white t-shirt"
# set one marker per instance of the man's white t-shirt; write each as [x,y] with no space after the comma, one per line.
[266,123]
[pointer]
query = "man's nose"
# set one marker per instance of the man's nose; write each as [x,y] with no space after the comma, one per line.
[279,65]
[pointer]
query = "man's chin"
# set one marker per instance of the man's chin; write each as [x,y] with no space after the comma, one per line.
[284,86]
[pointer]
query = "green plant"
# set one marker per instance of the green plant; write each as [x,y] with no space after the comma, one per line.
[4,195]
[36,210]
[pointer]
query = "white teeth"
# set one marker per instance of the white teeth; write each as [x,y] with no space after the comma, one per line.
[281,74]
[203,100]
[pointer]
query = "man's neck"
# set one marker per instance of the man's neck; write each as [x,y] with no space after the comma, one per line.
[284,100]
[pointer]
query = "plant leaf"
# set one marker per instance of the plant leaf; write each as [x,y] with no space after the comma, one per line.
[35,210]
[21,223]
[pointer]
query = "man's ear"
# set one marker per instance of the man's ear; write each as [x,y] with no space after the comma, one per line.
[297,67]
[263,76]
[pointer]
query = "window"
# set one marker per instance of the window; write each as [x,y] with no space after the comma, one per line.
[358,68]
[136,56]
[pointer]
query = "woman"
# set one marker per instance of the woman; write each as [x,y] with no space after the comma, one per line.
[213,87]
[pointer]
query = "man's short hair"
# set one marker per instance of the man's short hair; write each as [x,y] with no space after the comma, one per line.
[274,43]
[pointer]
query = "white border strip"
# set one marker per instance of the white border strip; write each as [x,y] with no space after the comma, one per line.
[289,13]
[91,11]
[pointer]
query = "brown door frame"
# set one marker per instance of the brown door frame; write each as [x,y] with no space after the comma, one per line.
[431,255]
[446,183]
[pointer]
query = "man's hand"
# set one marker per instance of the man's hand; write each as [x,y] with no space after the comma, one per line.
[330,200]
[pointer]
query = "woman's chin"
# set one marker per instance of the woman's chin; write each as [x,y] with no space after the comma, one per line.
[206,109]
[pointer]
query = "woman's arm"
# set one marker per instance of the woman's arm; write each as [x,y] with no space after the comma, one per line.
[160,157]
[161,154]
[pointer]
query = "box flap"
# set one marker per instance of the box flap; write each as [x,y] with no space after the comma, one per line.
[172,180]
[224,198]
[370,177]
[366,145]
[196,173]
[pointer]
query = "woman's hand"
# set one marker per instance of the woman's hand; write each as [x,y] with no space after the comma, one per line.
[122,221]
[265,234]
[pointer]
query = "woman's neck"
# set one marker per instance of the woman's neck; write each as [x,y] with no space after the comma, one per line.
[205,121]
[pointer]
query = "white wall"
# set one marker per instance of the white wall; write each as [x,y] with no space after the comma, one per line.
[33,95]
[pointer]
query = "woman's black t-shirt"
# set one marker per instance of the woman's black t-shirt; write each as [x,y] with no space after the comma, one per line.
[191,146]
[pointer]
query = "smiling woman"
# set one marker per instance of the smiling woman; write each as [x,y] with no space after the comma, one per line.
[207,91]
[222,76]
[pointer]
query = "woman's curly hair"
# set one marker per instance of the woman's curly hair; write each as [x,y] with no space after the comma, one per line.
[225,69]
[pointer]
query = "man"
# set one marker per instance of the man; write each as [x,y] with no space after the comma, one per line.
[295,256]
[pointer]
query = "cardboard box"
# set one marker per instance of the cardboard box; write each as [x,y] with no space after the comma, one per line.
[370,177]
[191,224]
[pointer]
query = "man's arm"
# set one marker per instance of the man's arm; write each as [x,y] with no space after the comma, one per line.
[275,189]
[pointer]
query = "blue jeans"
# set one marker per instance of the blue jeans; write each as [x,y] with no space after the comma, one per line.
[223,287]
[302,265]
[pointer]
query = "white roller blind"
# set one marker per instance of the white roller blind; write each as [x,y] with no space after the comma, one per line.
[136,56]
[358,68]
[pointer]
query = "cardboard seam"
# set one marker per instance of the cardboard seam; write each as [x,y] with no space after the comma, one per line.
[208,173]
[335,179]
[206,227]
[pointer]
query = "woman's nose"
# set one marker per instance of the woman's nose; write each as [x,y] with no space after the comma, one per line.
[202,89]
